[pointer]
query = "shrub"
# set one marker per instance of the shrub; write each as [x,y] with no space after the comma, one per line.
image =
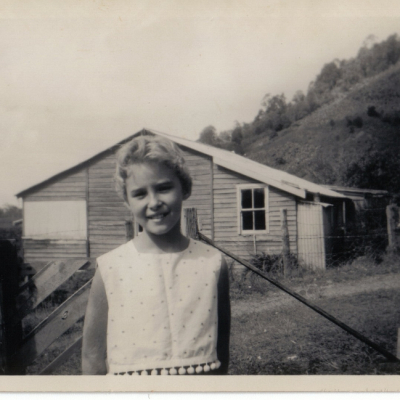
[371,112]
[273,263]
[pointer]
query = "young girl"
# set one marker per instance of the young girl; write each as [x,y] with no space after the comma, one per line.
[159,304]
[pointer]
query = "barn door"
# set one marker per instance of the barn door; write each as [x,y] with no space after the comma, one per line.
[311,237]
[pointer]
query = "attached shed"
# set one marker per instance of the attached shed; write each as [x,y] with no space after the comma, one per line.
[77,213]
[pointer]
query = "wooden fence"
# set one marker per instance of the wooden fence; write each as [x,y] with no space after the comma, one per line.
[18,303]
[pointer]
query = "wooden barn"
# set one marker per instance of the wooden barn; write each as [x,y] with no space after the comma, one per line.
[77,213]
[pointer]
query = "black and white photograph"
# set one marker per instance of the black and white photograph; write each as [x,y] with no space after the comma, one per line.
[200,196]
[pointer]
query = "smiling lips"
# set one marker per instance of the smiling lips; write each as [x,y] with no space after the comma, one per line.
[158,216]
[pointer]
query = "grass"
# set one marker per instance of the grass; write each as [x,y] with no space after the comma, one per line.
[294,340]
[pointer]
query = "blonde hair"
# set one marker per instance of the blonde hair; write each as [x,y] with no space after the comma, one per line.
[146,148]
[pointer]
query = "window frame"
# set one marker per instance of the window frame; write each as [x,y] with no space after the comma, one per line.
[239,189]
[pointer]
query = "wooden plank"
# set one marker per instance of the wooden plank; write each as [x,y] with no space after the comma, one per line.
[218,201]
[108,240]
[51,197]
[115,205]
[117,214]
[40,246]
[107,228]
[53,326]
[200,197]
[63,357]
[108,223]
[223,185]
[71,179]
[201,173]
[105,196]
[97,218]
[61,253]
[102,185]
[50,250]
[45,282]
[108,232]
[248,239]
[39,257]
[218,191]
[103,189]
[57,190]
[199,203]
[228,194]
[54,241]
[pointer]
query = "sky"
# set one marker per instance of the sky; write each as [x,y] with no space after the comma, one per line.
[77,76]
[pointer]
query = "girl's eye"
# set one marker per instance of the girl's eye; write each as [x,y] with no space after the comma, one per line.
[138,195]
[165,188]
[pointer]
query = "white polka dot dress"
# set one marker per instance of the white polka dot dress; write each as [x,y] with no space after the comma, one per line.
[162,315]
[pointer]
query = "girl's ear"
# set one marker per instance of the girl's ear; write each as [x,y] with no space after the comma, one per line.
[186,195]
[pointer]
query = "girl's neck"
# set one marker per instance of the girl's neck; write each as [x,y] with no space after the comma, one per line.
[171,242]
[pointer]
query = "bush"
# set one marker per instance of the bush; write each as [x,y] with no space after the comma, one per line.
[371,112]
[273,263]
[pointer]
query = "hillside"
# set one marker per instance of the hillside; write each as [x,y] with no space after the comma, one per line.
[345,130]
[356,129]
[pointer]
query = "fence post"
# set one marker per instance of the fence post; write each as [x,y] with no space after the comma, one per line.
[190,218]
[128,230]
[285,243]
[398,343]
[11,326]
[391,216]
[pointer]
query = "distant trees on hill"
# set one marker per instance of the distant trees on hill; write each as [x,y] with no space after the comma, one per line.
[10,212]
[335,78]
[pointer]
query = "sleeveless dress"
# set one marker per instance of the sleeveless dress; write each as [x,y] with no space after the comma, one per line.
[162,310]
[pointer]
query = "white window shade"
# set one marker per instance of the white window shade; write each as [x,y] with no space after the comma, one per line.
[55,219]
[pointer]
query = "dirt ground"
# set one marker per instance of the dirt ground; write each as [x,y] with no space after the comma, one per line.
[273,333]
[313,292]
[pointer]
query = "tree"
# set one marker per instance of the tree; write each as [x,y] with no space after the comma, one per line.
[375,171]
[237,135]
[208,135]
[11,212]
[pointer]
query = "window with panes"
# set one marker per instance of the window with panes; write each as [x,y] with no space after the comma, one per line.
[253,208]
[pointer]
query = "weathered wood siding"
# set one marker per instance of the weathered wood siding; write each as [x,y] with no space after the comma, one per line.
[106,210]
[69,187]
[226,220]
[48,250]
[200,167]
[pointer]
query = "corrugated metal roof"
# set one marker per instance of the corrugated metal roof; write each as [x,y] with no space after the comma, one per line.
[242,165]
[255,170]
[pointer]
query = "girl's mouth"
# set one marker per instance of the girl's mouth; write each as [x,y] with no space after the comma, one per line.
[157,217]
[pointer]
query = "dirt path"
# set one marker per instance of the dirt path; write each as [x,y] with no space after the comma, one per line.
[313,292]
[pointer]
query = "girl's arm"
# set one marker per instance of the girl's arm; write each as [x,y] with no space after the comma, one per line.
[224,319]
[94,346]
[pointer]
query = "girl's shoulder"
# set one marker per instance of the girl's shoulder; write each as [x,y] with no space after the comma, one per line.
[204,250]
[118,254]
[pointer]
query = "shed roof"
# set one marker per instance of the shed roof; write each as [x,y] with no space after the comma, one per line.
[356,192]
[271,176]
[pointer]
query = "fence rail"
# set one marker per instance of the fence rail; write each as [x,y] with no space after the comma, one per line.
[17,304]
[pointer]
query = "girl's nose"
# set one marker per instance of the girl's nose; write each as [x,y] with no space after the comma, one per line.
[154,202]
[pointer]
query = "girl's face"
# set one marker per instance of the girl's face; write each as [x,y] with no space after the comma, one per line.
[155,197]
